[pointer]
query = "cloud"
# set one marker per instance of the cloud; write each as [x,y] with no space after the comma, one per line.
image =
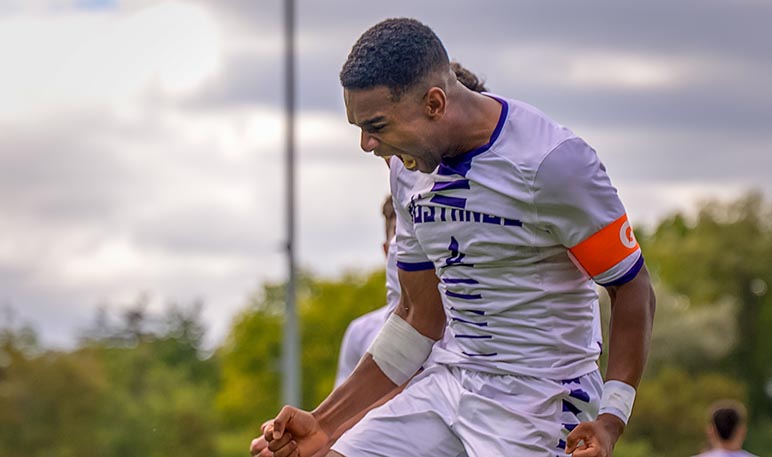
[72,61]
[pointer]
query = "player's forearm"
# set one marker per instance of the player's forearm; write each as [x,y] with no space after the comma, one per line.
[632,316]
[366,385]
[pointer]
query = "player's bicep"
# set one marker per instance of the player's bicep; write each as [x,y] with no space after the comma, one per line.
[576,201]
[420,303]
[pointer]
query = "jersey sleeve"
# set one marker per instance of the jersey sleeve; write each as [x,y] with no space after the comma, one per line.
[410,255]
[577,203]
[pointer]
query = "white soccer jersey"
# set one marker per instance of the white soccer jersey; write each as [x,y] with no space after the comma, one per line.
[361,332]
[515,230]
[726,453]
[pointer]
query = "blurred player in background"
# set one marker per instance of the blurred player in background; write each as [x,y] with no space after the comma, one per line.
[497,237]
[726,430]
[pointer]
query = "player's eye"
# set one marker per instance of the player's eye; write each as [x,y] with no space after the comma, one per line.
[377,128]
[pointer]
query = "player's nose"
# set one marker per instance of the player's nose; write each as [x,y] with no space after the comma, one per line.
[368,143]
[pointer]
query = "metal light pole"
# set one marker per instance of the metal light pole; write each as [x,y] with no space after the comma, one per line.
[290,356]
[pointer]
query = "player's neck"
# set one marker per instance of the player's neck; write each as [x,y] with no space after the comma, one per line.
[474,120]
[730,445]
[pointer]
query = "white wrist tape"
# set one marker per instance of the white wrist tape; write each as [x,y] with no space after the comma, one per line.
[617,399]
[399,350]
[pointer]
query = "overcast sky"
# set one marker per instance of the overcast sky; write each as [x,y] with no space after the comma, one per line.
[141,141]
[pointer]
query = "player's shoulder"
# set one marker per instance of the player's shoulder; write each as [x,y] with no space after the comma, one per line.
[528,134]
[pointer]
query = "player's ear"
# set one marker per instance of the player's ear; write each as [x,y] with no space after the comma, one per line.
[435,102]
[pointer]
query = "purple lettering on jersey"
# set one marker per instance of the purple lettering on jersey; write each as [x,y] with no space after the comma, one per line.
[449,201]
[488,219]
[570,427]
[561,444]
[449,185]
[453,211]
[428,214]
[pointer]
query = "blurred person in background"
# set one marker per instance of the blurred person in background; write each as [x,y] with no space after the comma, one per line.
[726,430]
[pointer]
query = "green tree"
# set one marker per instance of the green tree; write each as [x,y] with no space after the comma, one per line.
[49,401]
[723,255]
[139,388]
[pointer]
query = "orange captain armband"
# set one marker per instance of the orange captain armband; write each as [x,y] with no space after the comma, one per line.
[606,248]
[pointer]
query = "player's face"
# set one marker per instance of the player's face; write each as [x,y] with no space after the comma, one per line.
[390,127]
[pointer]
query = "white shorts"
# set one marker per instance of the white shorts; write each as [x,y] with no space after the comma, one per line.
[451,412]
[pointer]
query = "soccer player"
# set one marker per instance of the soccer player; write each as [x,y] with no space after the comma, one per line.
[498,237]
[726,430]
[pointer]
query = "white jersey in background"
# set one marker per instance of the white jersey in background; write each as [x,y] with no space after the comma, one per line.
[726,453]
[362,331]
[515,230]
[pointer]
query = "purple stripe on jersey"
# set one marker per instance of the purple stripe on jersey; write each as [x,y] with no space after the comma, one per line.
[561,444]
[472,354]
[459,281]
[571,381]
[455,202]
[631,273]
[579,394]
[570,427]
[415,266]
[448,185]
[474,337]
[571,408]
[512,222]
[474,311]
[463,321]
[461,164]
[463,296]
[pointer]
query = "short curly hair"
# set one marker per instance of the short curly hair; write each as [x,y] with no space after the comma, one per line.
[396,53]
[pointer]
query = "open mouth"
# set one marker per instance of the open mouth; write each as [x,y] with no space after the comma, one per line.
[409,162]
